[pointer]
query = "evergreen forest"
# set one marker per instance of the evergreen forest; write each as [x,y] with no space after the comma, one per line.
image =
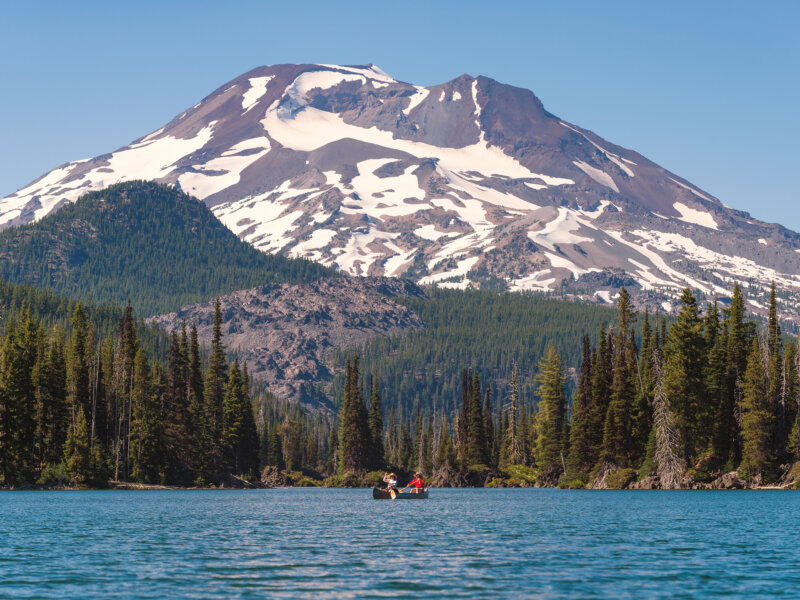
[678,406]
[489,331]
[675,405]
[141,242]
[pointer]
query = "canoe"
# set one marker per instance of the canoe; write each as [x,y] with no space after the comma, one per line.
[380,494]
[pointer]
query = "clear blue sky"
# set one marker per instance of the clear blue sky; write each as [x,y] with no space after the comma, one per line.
[709,90]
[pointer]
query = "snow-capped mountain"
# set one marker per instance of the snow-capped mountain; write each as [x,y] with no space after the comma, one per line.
[467,183]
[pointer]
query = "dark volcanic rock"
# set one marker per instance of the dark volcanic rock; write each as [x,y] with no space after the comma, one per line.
[283,332]
[728,481]
[272,478]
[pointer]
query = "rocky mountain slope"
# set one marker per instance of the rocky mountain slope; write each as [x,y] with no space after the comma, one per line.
[467,183]
[284,331]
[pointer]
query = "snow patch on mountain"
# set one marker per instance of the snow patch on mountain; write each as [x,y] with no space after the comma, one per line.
[371,72]
[154,158]
[598,175]
[414,100]
[381,197]
[559,231]
[312,128]
[739,267]
[311,247]
[694,216]
[461,269]
[231,163]
[258,87]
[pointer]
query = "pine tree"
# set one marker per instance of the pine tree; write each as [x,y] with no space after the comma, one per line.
[580,459]
[426,460]
[391,437]
[214,393]
[476,439]
[551,414]
[775,377]
[51,400]
[462,424]
[719,413]
[76,451]
[791,362]
[684,358]
[488,426]
[667,447]
[176,417]
[238,425]
[445,455]
[127,347]
[376,458]
[77,368]
[642,414]
[17,388]
[196,402]
[601,394]
[757,420]
[405,451]
[526,433]
[617,425]
[354,432]
[740,337]
[145,423]
[511,452]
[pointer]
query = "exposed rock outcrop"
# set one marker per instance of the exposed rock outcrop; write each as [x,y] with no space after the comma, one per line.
[284,332]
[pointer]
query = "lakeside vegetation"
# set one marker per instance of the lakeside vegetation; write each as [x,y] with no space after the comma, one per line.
[675,406]
[709,401]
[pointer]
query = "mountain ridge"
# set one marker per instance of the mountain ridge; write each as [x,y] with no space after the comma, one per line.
[467,183]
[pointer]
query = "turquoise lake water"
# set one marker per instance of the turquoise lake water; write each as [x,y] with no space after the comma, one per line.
[314,543]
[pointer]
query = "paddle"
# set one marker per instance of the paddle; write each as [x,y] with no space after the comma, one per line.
[392,493]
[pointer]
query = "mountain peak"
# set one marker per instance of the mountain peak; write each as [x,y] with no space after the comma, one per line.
[467,183]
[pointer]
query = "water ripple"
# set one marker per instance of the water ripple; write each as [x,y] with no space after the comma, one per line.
[307,543]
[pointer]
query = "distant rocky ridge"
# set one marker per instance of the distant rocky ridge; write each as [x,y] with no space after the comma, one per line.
[467,183]
[284,332]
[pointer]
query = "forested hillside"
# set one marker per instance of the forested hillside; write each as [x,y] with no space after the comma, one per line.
[143,242]
[54,311]
[481,329]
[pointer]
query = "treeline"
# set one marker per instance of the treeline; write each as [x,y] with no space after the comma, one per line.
[490,331]
[79,409]
[51,310]
[710,395]
[705,396]
[459,448]
[676,404]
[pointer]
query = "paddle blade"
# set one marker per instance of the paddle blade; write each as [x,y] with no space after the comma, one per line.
[393,494]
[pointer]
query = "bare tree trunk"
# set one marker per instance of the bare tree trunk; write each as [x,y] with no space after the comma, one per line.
[669,464]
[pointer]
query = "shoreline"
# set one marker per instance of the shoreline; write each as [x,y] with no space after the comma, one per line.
[145,487]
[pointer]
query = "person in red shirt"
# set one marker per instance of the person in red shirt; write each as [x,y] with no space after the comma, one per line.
[418,482]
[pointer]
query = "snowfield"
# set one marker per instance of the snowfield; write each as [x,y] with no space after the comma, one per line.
[352,168]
